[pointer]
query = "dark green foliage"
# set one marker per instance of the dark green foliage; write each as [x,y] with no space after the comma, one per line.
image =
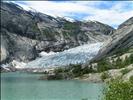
[104,76]
[47,33]
[70,26]
[77,70]
[131,58]
[118,63]
[87,70]
[60,74]
[127,61]
[119,90]
[103,65]
[125,71]
[55,77]
[59,70]
[131,79]
[121,51]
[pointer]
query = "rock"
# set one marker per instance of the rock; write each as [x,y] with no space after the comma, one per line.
[4,70]
[17,47]
[122,38]
[27,33]
[92,77]
[127,76]
[126,23]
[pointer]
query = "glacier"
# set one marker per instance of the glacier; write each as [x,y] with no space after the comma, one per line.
[77,55]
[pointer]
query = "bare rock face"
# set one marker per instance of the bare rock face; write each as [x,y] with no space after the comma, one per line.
[126,23]
[4,52]
[26,33]
[122,38]
[17,47]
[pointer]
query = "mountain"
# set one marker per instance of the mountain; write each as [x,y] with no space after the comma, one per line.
[25,34]
[121,40]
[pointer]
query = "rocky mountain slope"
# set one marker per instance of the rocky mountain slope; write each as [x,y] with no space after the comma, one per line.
[120,40]
[25,33]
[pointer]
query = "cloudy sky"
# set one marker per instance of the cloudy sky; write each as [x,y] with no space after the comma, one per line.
[109,12]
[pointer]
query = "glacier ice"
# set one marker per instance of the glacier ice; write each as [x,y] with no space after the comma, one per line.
[76,55]
[46,54]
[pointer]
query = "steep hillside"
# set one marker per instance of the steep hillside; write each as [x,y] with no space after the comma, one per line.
[121,40]
[26,33]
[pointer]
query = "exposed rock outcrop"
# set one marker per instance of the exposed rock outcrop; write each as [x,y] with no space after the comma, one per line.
[17,47]
[122,38]
[25,33]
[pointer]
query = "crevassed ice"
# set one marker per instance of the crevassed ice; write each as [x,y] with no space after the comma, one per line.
[76,55]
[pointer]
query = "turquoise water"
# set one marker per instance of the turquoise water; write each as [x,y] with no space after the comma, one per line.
[23,86]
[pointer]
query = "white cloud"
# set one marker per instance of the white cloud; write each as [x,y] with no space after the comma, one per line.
[113,16]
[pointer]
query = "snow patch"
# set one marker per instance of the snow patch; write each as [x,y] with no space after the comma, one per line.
[46,54]
[4,65]
[69,19]
[18,65]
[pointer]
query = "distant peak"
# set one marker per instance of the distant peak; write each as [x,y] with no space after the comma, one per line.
[69,19]
[94,21]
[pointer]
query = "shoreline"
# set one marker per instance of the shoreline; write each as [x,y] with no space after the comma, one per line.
[90,77]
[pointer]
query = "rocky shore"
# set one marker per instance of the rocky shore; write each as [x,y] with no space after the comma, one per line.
[123,73]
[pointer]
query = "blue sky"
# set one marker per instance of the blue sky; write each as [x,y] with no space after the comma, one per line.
[112,13]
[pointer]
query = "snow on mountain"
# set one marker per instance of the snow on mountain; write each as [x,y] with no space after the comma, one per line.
[76,55]
[18,64]
[69,19]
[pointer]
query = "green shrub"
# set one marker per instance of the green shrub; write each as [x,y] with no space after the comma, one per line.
[119,90]
[59,70]
[104,76]
[77,70]
[125,71]
[70,26]
[131,79]
[119,52]
[119,63]
[103,65]
[128,60]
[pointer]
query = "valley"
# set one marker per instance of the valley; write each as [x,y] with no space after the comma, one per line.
[46,57]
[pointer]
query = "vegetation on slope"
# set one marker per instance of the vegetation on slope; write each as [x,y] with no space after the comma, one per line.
[102,66]
[106,64]
[119,90]
[71,26]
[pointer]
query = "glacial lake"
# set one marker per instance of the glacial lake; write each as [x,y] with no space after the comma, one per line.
[24,86]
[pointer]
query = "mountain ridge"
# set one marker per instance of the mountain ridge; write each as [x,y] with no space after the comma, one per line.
[27,33]
[120,40]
